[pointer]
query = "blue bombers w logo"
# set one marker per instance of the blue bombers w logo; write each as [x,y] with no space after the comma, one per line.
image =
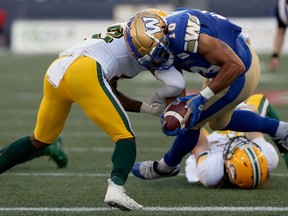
[151,25]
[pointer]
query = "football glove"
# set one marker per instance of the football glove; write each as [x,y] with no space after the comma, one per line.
[153,109]
[157,105]
[195,105]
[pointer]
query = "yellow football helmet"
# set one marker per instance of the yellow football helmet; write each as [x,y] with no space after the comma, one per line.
[245,163]
[146,39]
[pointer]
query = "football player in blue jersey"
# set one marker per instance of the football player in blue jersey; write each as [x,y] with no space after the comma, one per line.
[211,45]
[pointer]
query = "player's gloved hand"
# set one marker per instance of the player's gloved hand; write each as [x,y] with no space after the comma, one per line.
[175,132]
[186,98]
[164,129]
[157,109]
[195,106]
[157,105]
[153,109]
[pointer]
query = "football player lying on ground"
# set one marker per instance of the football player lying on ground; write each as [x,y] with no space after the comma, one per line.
[55,151]
[81,75]
[248,158]
[209,44]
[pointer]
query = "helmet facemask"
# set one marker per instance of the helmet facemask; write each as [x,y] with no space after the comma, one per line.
[245,164]
[160,58]
[146,39]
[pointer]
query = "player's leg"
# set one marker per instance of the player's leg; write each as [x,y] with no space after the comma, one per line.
[241,120]
[265,108]
[51,117]
[95,96]
[55,151]
[169,165]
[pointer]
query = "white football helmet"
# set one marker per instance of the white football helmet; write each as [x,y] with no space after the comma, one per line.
[146,39]
[245,163]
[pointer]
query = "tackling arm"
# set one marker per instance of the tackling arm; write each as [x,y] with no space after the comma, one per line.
[129,104]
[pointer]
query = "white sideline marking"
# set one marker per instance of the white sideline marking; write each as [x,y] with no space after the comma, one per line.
[285,175]
[107,149]
[156,209]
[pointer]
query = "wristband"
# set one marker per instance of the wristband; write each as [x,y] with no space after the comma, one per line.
[207,93]
[145,108]
[274,55]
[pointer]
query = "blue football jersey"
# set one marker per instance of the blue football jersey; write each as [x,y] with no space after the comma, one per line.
[185,25]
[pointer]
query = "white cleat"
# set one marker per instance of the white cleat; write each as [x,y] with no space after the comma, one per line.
[116,197]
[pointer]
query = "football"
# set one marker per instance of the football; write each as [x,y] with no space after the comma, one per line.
[173,115]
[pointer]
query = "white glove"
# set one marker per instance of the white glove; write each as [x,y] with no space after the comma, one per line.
[157,104]
[156,107]
[153,109]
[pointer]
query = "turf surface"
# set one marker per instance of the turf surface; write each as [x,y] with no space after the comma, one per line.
[38,187]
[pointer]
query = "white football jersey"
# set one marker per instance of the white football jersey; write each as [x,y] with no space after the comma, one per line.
[114,57]
[218,139]
[210,171]
[116,62]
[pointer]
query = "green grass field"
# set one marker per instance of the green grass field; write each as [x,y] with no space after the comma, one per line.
[38,187]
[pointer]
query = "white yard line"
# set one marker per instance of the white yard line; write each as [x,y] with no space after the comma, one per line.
[51,174]
[155,209]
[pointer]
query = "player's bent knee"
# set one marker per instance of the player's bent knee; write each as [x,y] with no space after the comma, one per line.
[37,143]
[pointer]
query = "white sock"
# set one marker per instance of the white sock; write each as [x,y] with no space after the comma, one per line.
[163,167]
[282,130]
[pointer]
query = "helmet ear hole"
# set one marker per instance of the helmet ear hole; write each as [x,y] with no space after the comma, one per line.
[245,164]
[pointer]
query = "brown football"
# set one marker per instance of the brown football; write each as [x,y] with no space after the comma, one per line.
[174,114]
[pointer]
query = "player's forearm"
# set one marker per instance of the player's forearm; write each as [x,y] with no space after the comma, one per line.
[225,77]
[129,104]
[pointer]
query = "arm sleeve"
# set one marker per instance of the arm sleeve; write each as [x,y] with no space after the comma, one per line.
[173,80]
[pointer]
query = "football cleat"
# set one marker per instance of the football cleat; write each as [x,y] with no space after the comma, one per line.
[282,145]
[146,39]
[58,154]
[148,170]
[116,197]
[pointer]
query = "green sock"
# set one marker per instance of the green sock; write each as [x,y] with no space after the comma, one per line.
[272,113]
[45,151]
[15,153]
[123,159]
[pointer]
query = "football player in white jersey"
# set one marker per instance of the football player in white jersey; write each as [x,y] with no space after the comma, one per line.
[281,12]
[215,167]
[234,159]
[247,158]
[82,75]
